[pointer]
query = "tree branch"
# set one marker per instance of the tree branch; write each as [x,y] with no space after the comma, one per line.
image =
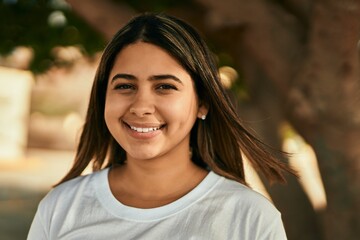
[272,38]
[104,16]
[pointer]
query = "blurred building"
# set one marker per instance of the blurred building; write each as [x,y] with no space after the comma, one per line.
[15,94]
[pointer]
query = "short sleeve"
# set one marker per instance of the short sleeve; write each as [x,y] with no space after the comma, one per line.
[276,230]
[263,219]
[37,229]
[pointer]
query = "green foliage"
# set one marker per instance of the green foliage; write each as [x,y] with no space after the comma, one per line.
[42,25]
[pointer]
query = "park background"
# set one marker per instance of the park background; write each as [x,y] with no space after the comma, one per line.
[291,67]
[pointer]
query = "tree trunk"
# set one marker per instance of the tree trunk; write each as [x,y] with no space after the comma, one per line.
[299,217]
[327,89]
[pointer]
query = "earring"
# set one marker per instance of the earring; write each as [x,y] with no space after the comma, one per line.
[203,117]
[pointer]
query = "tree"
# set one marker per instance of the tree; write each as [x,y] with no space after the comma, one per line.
[42,25]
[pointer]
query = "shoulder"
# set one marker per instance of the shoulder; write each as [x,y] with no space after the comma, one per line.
[66,192]
[62,204]
[248,212]
[68,187]
[244,199]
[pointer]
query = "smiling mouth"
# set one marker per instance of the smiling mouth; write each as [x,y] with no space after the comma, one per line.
[144,129]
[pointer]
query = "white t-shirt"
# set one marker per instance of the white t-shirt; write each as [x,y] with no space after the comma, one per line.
[218,208]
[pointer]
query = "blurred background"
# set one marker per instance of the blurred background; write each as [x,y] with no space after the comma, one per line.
[291,67]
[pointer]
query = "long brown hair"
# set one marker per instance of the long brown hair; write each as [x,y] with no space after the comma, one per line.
[217,143]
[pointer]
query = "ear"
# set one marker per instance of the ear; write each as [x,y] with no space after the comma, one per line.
[202,111]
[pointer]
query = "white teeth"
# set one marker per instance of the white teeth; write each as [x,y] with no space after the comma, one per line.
[144,130]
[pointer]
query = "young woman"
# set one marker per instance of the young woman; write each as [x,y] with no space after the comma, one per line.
[166,145]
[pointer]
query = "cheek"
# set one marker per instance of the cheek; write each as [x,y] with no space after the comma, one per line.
[107,116]
[111,111]
[183,110]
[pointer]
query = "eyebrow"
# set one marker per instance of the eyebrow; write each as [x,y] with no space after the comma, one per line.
[124,76]
[166,76]
[152,78]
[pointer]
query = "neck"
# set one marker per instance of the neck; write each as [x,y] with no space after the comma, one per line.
[153,183]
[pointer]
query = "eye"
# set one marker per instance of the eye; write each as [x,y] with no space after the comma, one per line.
[123,86]
[166,87]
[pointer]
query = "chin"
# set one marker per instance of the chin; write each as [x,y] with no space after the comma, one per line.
[145,156]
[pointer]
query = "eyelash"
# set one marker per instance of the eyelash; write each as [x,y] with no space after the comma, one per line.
[166,87]
[123,86]
[159,87]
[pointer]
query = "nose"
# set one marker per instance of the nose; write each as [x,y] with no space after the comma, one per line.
[142,105]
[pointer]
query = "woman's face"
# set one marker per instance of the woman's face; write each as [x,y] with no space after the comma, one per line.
[151,103]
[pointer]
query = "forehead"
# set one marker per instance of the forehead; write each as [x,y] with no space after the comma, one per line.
[143,50]
[146,58]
